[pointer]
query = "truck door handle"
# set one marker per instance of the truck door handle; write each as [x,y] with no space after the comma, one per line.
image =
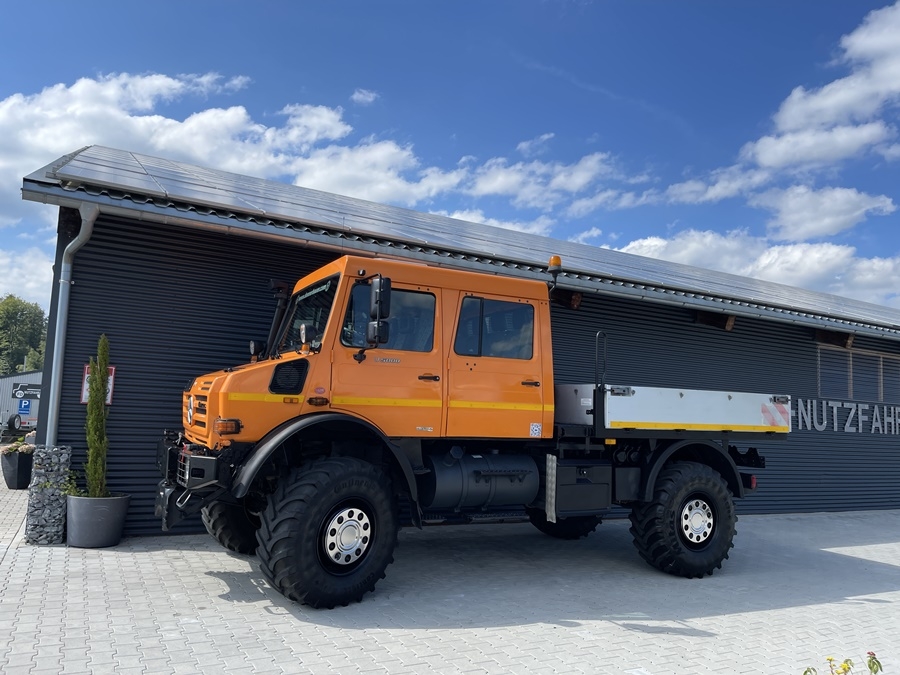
[432,378]
[531,383]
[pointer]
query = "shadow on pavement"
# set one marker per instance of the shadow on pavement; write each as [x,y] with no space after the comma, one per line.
[509,575]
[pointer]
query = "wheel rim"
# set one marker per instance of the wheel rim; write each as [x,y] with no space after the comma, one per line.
[346,537]
[697,522]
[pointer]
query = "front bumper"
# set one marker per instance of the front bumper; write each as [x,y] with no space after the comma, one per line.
[186,474]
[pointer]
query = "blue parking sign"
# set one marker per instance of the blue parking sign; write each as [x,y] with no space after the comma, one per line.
[25,406]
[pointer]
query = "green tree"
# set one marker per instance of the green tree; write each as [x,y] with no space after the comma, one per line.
[95,424]
[34,359]
[23,329]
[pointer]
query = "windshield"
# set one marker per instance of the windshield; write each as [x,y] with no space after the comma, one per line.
[309,307]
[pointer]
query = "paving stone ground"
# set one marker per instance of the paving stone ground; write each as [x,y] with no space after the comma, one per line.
[479,599]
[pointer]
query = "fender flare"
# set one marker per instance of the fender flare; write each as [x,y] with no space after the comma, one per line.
[722,464]
[271,441]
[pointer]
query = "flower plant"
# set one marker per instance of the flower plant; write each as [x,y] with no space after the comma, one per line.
[19,446]
[845,667]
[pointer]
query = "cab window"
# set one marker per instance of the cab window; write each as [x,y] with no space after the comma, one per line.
[495,328]
[411,321]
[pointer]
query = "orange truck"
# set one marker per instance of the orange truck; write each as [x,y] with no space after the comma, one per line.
[392,393]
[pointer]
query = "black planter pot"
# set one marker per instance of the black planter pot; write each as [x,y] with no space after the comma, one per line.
[95,522]
[16,469]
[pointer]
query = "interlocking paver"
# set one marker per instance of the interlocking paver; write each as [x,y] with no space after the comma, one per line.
[461,600]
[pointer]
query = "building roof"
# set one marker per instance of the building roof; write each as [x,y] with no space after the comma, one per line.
[154,189]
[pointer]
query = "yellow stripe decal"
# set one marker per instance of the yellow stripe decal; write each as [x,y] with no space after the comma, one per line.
[265,398]
[672,426]
[484,405]
[434,403]
[400,402]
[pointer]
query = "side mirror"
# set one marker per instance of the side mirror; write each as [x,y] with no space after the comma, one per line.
[378,332]
[380,299]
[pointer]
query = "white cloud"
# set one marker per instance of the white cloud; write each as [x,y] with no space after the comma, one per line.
[535,146]
[723,184]
[118,110]
[824,267]
[308,145]
[587,235]
[538,184]
[112,110]
[374,171]
[27,274]
[802,213]
[576,177]
[816,129]
[873,53]
[833,269]
[229,139]
[541,225]
[891,152]
[728,252]
[815,147]
[612,200]
[363,97]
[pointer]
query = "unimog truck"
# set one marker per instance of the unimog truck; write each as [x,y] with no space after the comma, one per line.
[394,394]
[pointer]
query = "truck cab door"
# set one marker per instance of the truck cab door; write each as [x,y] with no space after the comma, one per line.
[495,387]
[398,386]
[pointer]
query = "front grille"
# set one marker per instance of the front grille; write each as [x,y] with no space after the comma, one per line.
[199,415]
[196,470]
[182,475]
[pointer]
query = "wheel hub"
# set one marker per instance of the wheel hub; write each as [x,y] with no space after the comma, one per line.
[347,536]
[697,521]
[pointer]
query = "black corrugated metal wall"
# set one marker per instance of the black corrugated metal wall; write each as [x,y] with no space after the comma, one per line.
[657,345]
[176,303]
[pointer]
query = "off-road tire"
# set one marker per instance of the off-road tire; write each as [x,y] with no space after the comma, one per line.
[300,523]
[569,528]
[662,529]
[232,526]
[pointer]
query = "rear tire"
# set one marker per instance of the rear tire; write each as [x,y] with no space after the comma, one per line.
[232,526]
[688,528]
[328,532]
[568,528]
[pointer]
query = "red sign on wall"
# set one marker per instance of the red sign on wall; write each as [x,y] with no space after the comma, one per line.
[109,387]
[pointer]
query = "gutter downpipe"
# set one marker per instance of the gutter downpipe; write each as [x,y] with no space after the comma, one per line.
[89,213]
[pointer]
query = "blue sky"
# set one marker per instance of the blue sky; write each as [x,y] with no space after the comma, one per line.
[758,137]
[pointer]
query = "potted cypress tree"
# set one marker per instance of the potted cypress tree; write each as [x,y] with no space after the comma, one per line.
[95,518]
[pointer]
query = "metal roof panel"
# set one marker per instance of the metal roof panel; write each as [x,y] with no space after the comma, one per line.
[242,197]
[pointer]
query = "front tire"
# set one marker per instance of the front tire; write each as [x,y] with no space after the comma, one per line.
[568,528]
[688,528]
[328,532]
[232,525]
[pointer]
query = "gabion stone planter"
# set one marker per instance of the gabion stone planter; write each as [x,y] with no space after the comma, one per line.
[45,521]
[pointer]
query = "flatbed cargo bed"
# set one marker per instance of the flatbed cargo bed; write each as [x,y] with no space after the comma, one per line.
[655,409]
